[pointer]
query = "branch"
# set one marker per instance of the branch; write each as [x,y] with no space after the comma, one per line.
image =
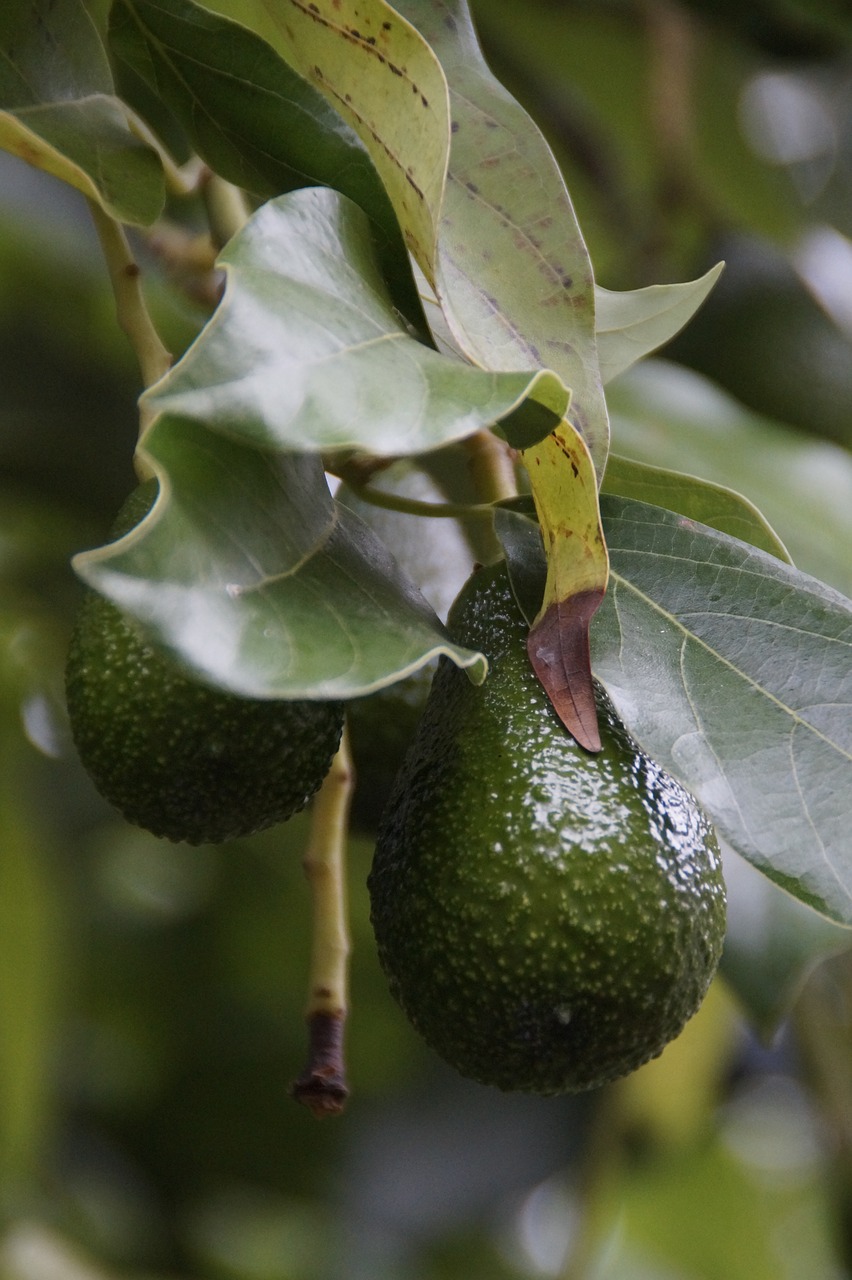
[322,1085]
[131,310]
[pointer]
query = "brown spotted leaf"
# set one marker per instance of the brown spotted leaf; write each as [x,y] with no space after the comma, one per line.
[564,488]
[381,76]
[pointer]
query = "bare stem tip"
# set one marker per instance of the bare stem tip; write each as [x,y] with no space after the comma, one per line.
[322,1086]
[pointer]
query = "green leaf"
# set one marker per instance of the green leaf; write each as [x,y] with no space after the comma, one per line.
[632,325]
[249,572]
[747,697]
[434,552]
[248,114]
[666,415]
[385,82]
[59,112]
[505,202]
[517,528]
[253,119]
[515,281]
[731,669]
[712,504]
[307,351]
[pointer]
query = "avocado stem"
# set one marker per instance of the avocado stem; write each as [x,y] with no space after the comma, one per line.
[491,467]
[492,472]
[322,1086]
[226,205]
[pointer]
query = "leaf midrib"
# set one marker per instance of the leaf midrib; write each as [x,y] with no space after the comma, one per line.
[675,620]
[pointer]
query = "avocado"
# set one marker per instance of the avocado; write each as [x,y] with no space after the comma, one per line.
[181,758]
[548,919]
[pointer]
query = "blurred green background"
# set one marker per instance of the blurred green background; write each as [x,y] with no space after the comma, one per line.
[151,997]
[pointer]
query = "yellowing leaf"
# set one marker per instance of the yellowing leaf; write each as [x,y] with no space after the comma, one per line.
[385,81]
[564,488]
[515,279]
[59,111]
[90,146]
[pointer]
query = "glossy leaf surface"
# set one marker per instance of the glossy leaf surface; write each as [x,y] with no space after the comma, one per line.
[307,351]
[59,112]
[250,572]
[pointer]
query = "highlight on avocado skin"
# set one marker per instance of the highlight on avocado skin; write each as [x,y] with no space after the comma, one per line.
[548,919]
[187,761]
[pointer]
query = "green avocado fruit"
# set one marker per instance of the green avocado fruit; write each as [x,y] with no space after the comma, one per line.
[181,758]
[548,919]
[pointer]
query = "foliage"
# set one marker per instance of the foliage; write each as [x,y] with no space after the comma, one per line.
[359,247]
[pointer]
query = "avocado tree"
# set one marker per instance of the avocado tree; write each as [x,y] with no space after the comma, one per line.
[354,348]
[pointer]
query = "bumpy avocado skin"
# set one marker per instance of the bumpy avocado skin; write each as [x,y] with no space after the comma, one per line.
[187,761]
[548,919]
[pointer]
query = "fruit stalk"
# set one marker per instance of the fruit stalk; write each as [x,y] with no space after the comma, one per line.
[492,473]
[491,467]
[226,205]
[322,1086]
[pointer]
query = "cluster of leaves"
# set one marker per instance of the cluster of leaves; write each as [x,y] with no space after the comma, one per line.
[152,1003]
[414,274]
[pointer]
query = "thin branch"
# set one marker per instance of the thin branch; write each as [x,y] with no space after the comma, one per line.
[322,1086]
[131,311]
[188,261]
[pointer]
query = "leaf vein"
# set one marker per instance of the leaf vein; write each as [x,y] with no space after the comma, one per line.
[675,620]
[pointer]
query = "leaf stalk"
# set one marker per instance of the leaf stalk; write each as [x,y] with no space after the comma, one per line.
[417,507]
